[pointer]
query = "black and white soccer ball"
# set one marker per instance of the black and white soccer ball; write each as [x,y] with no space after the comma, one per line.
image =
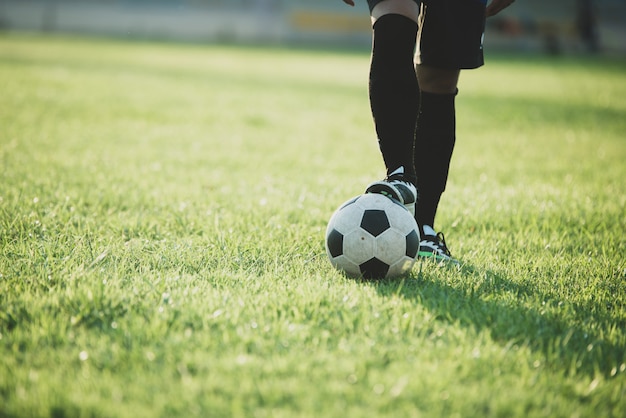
[373,237]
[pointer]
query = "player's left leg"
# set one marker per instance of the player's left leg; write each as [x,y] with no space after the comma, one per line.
[435,139]
[449,39]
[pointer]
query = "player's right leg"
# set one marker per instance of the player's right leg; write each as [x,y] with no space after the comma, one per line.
[449,39]
[394,95]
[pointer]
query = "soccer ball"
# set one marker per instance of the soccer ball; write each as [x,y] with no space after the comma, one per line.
[373,237]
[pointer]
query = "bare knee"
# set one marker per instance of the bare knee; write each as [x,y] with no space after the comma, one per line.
[437,80]
[406,8]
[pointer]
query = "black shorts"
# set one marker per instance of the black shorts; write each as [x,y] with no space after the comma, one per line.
[450,33]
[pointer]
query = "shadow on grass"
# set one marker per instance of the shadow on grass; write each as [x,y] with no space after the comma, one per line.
[509,312]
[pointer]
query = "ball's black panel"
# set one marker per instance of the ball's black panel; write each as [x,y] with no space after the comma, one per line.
[375,221]
[374,269]
[412,244]
[335,243]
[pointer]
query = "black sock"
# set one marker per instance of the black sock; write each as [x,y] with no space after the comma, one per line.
[393,89]
[435,137]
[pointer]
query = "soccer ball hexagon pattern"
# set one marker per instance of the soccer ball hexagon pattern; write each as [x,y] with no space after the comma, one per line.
[373,237]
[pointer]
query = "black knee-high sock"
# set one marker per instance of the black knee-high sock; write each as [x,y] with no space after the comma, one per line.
[393,90]
[435,137]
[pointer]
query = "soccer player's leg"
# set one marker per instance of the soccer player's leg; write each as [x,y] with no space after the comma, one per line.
[394,96]
[449,39]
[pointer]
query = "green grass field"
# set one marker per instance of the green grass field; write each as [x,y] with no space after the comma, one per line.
[162,218]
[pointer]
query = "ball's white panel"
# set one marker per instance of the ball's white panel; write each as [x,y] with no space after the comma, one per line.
[401,267]
[358,246]
[347,266]
[347,218]
[373,201]
[390,246]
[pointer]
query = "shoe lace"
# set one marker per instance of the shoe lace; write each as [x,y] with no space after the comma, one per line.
[442,244]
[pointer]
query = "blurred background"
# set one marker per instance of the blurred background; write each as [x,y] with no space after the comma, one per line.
[551,26]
